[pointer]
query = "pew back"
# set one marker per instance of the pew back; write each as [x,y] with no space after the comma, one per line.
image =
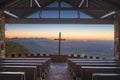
[30,71]
[39,66]
[106,76]
[12,76]
[87,71]
[75,65]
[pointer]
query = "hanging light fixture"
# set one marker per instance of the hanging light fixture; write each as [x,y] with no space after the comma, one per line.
[36,1]
[10,14]
[38,4]
[81,3]
[108,14]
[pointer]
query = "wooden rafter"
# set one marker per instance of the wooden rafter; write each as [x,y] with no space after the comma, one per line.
[90,14]
[70,3]
[63,8]
[35,10]
[58,21]
[22,3]
[95,9]
[113,3]
[10,3]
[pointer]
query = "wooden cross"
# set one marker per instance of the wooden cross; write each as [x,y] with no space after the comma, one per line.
[59,49]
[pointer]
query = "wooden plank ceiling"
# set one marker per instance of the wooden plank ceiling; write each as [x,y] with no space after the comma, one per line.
[96,9]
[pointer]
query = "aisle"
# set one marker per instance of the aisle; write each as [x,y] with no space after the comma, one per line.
[58,71]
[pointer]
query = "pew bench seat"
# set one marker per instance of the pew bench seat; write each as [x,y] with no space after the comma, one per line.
[12,76]
[106,76]
[45,63]
[87,71]
[39,66]
[30,71]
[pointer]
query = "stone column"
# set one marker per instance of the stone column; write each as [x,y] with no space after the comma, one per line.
[117,36]
[2,36]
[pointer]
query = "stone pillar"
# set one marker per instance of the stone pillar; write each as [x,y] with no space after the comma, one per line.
[2,36]
[117,36]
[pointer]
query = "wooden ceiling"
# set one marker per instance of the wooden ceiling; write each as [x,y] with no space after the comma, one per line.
[95,8]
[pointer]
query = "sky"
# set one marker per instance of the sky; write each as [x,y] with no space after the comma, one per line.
[69,31]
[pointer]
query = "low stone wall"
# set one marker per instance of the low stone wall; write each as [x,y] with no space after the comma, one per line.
[54,58]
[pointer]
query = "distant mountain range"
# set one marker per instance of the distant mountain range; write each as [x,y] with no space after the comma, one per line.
[47,46]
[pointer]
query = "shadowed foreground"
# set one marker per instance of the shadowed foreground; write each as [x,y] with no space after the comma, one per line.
[58,71]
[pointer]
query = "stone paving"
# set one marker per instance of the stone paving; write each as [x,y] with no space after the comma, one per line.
[58,71]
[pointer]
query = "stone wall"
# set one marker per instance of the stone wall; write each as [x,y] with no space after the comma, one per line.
[2,36]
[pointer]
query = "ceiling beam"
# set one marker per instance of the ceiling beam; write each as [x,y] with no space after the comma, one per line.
[10,3]
[73,5]
[61,8]
[90,14]
[58,21]
[113,2]
[32,11]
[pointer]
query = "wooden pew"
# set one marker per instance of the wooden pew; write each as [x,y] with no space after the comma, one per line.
[87,71]
[77,68]
[48,59]
[30,71]
[28,58]
[71,61]
[78,64]
[45,63]
[87,61]
[75,64]
[78,59]
[12,76]
[106,76]
[40,73]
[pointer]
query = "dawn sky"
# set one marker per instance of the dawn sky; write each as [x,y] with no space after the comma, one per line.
[69,31]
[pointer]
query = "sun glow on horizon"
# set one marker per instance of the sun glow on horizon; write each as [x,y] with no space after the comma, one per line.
[69,31]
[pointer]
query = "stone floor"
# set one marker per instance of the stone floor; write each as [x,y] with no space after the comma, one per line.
[58,71]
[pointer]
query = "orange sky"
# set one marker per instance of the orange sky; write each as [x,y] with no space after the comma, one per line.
[77,32]
[67,36]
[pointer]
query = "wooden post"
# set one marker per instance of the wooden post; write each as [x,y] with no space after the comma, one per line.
[59,6]
[2,36]
[117,36]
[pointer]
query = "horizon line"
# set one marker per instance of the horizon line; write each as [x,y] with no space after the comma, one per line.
[66,39]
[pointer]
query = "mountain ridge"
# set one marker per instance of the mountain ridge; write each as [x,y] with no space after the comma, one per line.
[48,46]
